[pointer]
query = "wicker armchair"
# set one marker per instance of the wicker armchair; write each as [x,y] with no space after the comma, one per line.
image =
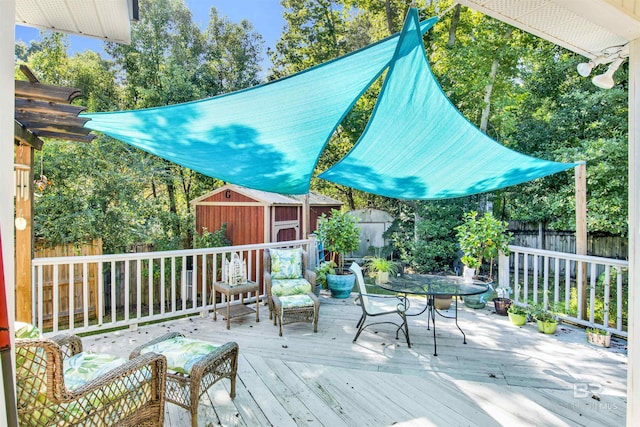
[129,394]
[290,287]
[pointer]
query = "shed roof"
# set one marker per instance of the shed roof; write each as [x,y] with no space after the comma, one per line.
[269,198]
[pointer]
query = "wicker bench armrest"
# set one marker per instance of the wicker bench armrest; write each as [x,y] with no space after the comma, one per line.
[225,354]
[70,345]
[136,351]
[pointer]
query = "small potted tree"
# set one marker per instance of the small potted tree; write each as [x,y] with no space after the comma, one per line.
[481,238]
[339,235]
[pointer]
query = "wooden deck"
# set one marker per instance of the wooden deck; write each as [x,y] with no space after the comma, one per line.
[504,375]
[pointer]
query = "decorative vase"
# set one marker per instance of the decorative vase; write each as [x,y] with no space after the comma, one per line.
[501,305]
[518,319]
[599,339]
[341,285]
[547,327]
[442,302]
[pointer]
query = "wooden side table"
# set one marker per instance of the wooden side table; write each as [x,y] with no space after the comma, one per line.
[228,291]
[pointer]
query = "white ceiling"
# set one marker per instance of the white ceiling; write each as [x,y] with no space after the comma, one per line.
[587,27]
[104,19]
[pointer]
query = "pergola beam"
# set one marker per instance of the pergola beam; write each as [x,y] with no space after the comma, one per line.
[25,136]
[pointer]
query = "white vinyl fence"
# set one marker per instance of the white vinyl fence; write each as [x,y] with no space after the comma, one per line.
[98,292]
[587,290]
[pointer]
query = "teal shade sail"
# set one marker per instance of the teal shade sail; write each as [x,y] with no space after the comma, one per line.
[417,145]
[268,137]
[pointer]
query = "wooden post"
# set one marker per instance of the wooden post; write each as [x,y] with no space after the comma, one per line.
[24,236]
[633,371]
[581,234]
[305,216]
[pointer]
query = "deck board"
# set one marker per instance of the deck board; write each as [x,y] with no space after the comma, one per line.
[504,375]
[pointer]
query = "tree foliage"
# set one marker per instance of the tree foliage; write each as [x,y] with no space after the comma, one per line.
[519,89]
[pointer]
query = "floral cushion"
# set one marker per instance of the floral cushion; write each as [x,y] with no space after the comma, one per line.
[26,330]
[281,287]
[286,263]
[181,353]
[84,367]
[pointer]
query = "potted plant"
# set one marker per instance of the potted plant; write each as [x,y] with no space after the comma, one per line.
[339,235]
[502,302]
[470,265]
[482,238]
[381,268]
[546,318]
[597,336]
[518,314]
[325,267]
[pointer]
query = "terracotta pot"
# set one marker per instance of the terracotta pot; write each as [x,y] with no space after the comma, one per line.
[442,302]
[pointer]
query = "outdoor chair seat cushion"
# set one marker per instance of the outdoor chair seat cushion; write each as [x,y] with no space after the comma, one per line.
[84,367]
[181,353]
[282,287]
[296,301]
[286,263]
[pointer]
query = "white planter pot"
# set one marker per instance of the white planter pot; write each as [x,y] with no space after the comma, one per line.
[468,273]
[382,277]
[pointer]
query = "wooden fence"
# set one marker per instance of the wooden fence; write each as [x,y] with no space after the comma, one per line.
[532,235]
[56,292]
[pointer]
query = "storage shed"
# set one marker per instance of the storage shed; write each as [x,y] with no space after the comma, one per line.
[372,223]
[255,216]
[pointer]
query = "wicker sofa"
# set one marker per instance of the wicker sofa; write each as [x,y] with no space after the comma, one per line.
[109,391]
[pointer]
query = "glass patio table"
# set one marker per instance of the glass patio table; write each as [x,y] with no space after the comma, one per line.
[432,286]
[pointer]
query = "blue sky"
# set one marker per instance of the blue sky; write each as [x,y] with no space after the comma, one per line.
[265,15]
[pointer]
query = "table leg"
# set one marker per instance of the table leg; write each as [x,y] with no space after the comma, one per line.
[432,314]
[215,312]
[228,297]
[464,337]
[257,307]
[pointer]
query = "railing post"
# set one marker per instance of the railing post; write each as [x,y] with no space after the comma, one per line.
[503,270]
[581,233]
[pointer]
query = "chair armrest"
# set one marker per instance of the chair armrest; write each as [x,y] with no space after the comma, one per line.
[124,382]
[310,275]
[379,296]
[267,283]
[70,345]
[136,351]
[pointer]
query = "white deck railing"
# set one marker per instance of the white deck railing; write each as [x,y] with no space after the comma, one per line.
[99,292]
[549,277]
